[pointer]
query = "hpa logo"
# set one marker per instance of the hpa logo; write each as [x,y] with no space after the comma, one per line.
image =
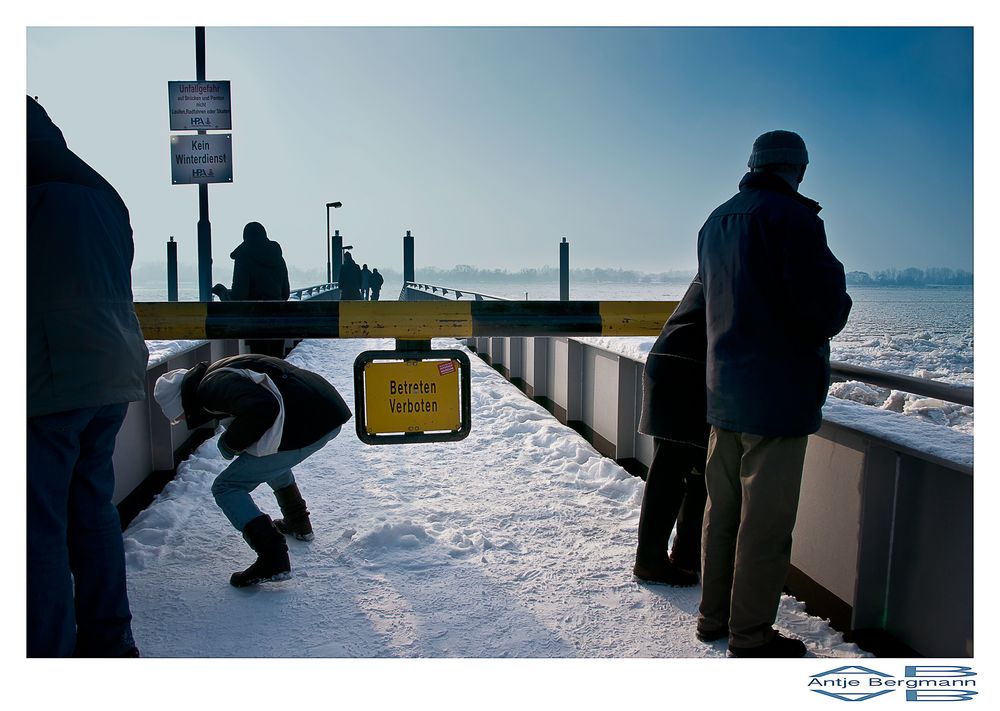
[919,683]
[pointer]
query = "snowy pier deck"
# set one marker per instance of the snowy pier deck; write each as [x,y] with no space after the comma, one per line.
[515,542]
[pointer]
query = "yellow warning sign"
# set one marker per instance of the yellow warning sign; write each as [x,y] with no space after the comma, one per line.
[412,396]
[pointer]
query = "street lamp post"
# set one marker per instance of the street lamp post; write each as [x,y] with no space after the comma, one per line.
[329,268]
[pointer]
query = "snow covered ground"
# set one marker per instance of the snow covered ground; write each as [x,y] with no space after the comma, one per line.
[515,542]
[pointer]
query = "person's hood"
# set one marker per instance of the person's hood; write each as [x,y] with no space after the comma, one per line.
[194,414]
[40,126]
[257,247]
[49,158]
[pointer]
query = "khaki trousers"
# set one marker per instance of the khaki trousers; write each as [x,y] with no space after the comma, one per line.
[753,495]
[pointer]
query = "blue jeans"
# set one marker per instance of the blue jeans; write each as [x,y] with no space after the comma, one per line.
[77,601]
[233,486]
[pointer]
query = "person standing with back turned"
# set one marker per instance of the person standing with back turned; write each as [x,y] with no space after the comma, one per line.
[86,362]
[673,414]
[259,274]
[774,297]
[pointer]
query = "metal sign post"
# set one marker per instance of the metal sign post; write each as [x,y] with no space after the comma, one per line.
[202,159]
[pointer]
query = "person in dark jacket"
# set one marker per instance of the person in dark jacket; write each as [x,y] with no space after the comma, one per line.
[259,274]
[376,285]
[673,413]
[259,270]
[86,360]
[774,297]
[281,414]
[366,282]
[350,279]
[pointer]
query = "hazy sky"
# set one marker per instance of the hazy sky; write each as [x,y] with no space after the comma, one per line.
[491,144]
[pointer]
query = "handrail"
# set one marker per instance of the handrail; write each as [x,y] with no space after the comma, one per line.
[433,288]
[311,290]
[949,392]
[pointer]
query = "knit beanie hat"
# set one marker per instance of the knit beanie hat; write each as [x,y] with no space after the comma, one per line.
[778,147]
[167,392]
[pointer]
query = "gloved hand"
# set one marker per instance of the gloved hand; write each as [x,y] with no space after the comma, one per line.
[225,451]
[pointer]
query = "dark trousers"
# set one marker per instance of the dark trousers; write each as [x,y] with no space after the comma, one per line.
[753,486]
[674,493]
[77,602]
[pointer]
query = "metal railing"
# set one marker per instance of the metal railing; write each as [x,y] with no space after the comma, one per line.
[949,392]
[459,293]
[310,291]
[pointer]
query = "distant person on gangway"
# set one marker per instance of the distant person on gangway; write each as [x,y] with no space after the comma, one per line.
[350,279]
[774,297]
[281,414]
[376,285]
[86,360]
[366,281]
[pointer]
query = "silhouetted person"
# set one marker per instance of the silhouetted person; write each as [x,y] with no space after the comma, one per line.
[376,284]
[673,413]
[366,277]
[350,279]
[86,361]
[281,415]
[774,297]
[260,274]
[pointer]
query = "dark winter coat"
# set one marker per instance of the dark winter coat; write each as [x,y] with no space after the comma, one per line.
[377,281]
[313,407]
[774,297]
[349,280]
[259,271]
[673,380]
[85,347]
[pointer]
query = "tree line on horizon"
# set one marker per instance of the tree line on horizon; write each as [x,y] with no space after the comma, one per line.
[911,276]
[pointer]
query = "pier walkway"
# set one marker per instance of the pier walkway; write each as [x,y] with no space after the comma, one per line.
[515,542]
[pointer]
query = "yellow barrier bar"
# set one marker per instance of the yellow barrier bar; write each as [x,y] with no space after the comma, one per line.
[185,320]
[634,318]
[395,319]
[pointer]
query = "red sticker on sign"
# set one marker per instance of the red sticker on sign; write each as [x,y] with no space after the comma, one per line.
[446,367]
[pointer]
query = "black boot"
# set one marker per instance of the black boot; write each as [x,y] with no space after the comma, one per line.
[295,516]
[778,646]
[664,574]
[272,554]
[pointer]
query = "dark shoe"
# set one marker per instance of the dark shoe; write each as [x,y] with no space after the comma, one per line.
[707,635]
[688,565]
[295,516]
[272,554]
[664,575]
[777,646]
